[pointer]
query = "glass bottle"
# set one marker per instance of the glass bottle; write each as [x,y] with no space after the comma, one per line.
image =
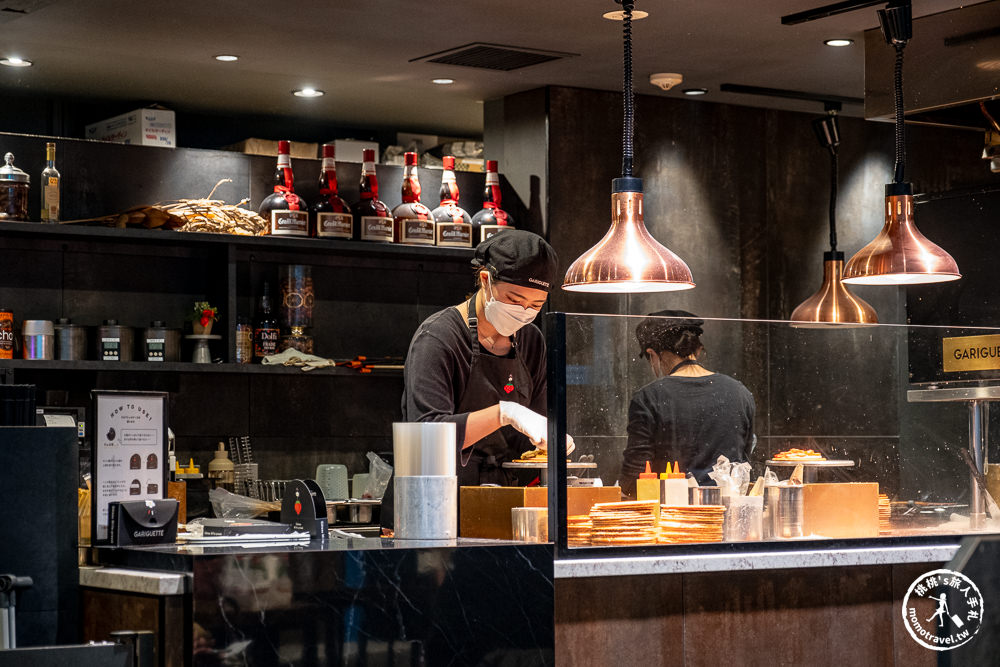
[491,219]
[265,329]
[413,221]
[454,226]
[331,215]
[285,212]
[374,221]
[50,186]
[244,341]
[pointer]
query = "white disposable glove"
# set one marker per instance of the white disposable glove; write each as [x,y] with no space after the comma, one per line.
[530,423]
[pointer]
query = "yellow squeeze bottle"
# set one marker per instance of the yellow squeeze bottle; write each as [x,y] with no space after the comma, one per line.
[647,487]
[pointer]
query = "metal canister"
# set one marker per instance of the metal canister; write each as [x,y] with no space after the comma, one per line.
[6,333]
[704,495]
[161,343]
[71,340]
[783,510]
[39,339]
[114,342]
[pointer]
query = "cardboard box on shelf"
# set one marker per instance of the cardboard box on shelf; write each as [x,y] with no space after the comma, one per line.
[252,146]
[350,150]
[476,165]
[142,127]
[485,510]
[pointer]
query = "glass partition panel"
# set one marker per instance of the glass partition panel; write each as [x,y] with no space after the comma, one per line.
[828,432]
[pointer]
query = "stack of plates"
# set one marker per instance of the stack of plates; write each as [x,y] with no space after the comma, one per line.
[578,529]
[884,512]
[624,524]
[694,523]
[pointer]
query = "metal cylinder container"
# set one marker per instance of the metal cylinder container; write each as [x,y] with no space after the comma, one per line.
[783,511]
[161,343]
[71,340]
[38,339]
[704,495]
[114,342]
[425,448]
[426,491]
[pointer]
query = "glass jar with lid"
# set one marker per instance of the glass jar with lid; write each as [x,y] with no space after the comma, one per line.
[13,191]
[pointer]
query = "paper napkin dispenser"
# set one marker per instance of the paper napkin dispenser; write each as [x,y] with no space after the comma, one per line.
[142,522]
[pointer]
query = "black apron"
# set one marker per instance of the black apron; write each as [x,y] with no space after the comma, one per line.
[491,380]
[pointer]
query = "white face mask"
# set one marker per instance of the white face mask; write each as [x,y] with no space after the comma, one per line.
[506,318]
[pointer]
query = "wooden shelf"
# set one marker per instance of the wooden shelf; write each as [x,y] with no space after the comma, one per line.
[181,367]
[263,243]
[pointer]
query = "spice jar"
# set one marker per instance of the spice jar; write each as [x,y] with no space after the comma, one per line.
[296,340]
[13,191]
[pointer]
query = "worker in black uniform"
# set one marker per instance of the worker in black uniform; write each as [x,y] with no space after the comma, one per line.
[481,364]
[689,413]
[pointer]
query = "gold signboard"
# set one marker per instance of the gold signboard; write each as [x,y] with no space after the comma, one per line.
[971,353]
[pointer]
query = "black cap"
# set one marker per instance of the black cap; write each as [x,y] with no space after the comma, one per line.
[519,257]
[660,334]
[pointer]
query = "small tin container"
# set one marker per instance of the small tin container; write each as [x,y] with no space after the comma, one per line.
[39,339]
[71,340]
[161,343]
[114,342]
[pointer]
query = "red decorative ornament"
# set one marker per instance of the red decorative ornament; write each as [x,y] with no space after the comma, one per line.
[509,387]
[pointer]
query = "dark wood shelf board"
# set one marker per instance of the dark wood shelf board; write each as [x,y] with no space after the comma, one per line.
[180,367]
[263,243]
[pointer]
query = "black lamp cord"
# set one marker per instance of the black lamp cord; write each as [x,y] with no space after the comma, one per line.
[628,127]
[900,128]
[834,166]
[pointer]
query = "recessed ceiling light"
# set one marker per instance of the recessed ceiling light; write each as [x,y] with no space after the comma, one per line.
[14,61]
[227,58]
[308,92]
[839,41]
[620,15]
[442,82]
[695,91]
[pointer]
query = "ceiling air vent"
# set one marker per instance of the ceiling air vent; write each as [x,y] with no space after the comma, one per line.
[493,56]
[15,9]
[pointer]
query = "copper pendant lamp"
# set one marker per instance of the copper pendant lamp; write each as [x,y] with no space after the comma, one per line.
[628,258]
[833,303]
[900,254]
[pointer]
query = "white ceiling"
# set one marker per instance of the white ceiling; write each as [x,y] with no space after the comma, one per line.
[359,53]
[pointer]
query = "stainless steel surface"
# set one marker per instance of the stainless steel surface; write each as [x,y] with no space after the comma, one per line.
[38,339]
[543,465]
[530,524]
[704,495]
[71,341]
[952,60]
[783,507]
[426,508]
[828,463]
[352,511]
[946,394]
[426,448]
[978,425]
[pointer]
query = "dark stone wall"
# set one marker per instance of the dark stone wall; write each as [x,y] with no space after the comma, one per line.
[741,194]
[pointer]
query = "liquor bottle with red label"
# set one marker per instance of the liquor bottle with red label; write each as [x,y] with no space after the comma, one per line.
[491,219]
[331,214]
[414,222]
[373,218]
[454,226]
[285,212]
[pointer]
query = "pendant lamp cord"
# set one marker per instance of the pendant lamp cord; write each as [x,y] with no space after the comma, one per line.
[628,127]
[834,166]
[900,131]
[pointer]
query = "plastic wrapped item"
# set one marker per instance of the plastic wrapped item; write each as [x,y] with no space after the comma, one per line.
[228,505]
[732,478]
[379,473]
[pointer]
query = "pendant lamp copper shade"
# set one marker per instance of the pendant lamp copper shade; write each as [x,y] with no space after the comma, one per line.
[900,254]
[628,258]
[833,303]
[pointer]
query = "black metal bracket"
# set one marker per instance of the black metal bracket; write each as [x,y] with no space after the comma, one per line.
[827,11]
[830,102]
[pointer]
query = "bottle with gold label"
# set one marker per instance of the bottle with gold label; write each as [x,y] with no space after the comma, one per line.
[454,226]
[50,186]
[286,212]
[491,218]
[414,222]
[372,218]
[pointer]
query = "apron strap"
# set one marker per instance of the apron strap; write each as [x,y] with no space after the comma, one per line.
[473,323]
[686,362]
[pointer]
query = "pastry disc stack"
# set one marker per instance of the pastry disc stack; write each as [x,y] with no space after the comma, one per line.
[624,524]
[687,525]
[884,512]
[578,530]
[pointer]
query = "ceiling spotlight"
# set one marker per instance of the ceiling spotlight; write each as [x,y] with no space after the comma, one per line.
[226,58]
[620,15]
[695,91]
[442,82]
[839,41]
[308,92]
[14,61]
